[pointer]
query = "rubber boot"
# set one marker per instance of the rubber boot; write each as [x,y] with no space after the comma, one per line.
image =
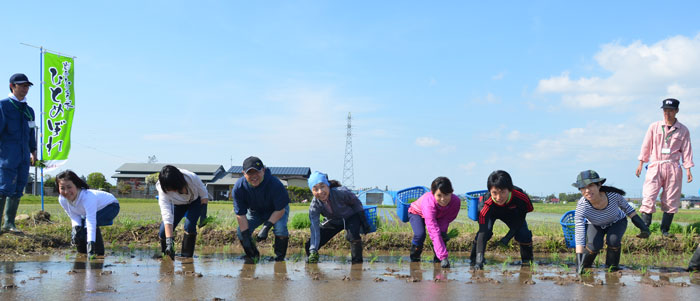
[2,207]
[479,261]
[163,245]
[356,251]
[81,241]
[526,254]
[435,258]
[11,206]
[188,243]
[666,223]
[612,259]
[646,217]
[587,261]
[99,243]
[280,246]
[415,253]
[472,257]
[306,248]
[694,264]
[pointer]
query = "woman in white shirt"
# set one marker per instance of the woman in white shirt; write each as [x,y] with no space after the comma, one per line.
[180,194]
[88,209]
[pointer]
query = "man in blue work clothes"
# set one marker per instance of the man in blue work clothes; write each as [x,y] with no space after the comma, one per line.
[261,199]
[17,147]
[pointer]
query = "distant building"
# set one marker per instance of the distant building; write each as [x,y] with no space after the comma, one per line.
[135,174]
[376,196]
[290,176]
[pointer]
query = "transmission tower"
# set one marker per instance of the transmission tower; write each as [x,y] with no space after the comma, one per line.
[348,173]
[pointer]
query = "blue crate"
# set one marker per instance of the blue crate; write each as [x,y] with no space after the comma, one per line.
[568,226]
[371,214]
[474,200]
[404,196]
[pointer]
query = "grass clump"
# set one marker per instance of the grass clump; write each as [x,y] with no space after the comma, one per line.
[300,221]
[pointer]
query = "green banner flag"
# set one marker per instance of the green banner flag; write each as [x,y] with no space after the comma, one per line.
[59,105]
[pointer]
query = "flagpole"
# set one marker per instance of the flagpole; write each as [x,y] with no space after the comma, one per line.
[40,143]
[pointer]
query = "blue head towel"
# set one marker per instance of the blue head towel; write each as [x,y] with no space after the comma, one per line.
[318,177]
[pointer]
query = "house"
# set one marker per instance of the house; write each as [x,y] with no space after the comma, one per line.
[135,174]
[290,176]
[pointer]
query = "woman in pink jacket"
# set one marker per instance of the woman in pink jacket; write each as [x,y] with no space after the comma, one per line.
[434,211]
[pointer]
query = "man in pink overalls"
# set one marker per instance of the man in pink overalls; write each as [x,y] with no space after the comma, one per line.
[665,144]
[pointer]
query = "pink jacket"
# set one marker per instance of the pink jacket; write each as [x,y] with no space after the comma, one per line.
[679,143]
[437,218]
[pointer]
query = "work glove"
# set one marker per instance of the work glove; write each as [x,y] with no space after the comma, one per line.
[91,248]
[579,263]
[74,233]
[203,216]
[313,257]
[170,247]
[639,223]
[262,235]
[445,237]
[247,243]
[445,263]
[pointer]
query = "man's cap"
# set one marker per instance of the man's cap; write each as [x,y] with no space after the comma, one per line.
[19,78]
[252,162]
[587,177]
[670,103]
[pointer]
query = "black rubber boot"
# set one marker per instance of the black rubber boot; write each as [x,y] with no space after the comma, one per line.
[472,257]
[526,254]
[415,253]
[694,264]
[356,251]
[306,248]
[81,241]
[646,217]
[666,223]
[99,243]
[479,261]
[587,261]
[280,247]
[188,243]
[612,259]
[2,207]
[163,245]
[435,258]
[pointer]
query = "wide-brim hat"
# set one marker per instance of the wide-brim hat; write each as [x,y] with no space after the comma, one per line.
[587,177]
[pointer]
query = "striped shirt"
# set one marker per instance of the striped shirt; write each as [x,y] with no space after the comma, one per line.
[617,209]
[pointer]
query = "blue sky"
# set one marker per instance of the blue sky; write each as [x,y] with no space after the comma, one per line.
[540,89]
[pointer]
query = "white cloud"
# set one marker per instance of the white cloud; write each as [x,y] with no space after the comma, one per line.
[499,76]
[427,141]
[637,73]
[469,167]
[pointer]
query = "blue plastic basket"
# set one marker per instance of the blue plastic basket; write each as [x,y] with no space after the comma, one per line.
[473,200]
[371,214]
[568,226]
[404,198]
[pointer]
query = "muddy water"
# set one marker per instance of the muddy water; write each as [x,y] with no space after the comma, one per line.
[136,275]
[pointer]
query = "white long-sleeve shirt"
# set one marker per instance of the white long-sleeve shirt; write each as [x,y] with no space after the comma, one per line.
[86,205]
[166,200]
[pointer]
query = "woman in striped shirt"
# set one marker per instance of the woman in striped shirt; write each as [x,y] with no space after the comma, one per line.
[604,209]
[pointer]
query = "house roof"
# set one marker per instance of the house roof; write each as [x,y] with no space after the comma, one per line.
[226,179]
[278,171]
[156,167]
[206,172]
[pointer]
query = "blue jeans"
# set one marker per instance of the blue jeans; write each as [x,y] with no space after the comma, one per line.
[256,219]
[190,212]
[106,215]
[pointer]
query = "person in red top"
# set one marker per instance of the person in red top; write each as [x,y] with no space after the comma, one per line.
[510,204]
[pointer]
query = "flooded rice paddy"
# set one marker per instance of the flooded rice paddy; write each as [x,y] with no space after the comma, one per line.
[136,274]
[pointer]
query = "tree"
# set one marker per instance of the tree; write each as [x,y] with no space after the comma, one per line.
[49,181]
[96,180]
[151,181]
[123,187]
